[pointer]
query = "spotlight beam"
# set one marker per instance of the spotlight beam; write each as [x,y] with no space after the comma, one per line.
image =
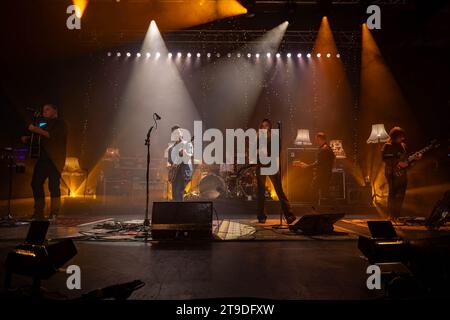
[154,85]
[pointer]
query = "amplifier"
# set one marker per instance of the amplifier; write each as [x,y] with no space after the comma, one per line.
[299,180]
[337,185]
[182,220]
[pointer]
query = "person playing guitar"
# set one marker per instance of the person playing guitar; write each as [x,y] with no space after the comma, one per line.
[179,161]
[395,157]
[51,160]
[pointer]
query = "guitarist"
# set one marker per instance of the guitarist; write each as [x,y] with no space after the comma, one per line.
[51,160]
[394,155]
[179,158]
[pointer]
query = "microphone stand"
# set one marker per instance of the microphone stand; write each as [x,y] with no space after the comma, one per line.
[147,143]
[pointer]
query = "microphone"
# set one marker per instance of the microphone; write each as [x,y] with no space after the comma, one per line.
[156,116]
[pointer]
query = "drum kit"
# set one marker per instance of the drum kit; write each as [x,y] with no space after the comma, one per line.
[224,181]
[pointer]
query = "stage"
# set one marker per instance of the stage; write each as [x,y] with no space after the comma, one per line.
[244,258]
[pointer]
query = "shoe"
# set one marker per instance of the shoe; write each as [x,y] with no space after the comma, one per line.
[262,220]
[291,219]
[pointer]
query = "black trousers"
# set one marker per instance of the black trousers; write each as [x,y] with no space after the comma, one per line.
[43,170]
[276,181]
[397,190]
[181,180]
[320,188]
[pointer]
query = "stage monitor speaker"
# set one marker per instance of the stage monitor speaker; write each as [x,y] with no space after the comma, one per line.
[36,259]
[440,214]
[313,224]
[187,220]
[384,245]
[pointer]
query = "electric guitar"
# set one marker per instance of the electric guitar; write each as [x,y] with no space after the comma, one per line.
[434,144]
[174,168]
[34,148]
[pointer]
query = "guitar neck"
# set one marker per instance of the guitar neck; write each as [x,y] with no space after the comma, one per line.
[412,158]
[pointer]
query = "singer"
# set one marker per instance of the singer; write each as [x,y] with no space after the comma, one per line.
[51,161]
[275,178]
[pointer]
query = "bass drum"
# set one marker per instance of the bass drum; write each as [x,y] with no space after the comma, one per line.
[212,187]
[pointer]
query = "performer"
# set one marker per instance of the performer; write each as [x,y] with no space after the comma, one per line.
[276,181]
[51,161]
[394,155]
[180,172]
[322,168]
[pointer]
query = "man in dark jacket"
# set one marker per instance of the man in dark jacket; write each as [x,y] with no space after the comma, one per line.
[52,156]
[323,168]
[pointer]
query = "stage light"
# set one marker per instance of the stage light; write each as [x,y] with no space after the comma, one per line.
[208,55]
[109,54]
[179,54]
[189,55]
[249,55]
[229,55]
[308,55]
[158,55]
[218,55]
[319,55]
[128,54]
[81,5]
[268,54]
[257,55]
[183,14]
[170,54]
[278,55]
[328,55]
[198,55]
[118,54]
[299,55]
[338,56]
[288,55]
[138,55]
[148,54]
[238,55]
[153,27]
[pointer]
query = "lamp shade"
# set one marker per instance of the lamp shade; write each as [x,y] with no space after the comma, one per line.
[338,149]
[72,164]
[302,138]
[378,134]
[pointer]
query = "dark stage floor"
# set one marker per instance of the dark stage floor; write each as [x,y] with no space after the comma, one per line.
[277,270]
[303,268]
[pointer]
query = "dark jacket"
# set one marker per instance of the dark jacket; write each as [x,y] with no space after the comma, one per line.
[54,147]
[324,163]
[392,154]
